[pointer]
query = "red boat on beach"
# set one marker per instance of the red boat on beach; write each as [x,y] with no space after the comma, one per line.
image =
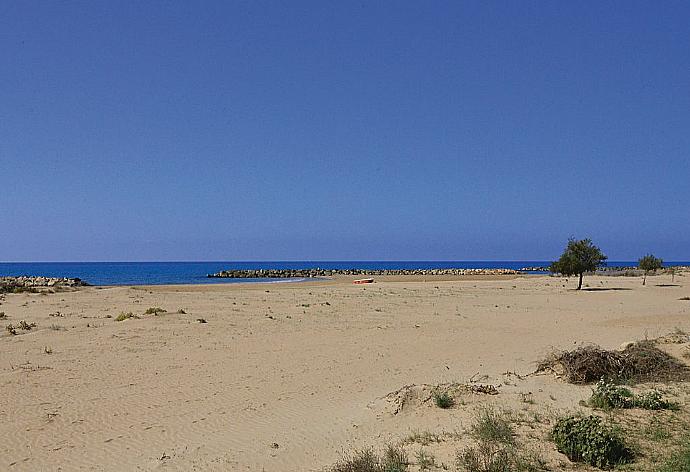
[363,281]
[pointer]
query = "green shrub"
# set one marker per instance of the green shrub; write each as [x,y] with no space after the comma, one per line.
[607,396]
[587,439]
[653,400]
[443,400]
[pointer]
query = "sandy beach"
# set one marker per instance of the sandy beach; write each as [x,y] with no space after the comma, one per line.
[293,376]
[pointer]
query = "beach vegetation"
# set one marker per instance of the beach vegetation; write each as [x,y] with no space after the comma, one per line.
[590,440]
[443,399]
[155,311]
[496,449]
[3,316]
[638,362]
[493,425]
[579,257]
[125,316]
[648,264]
[425,460]
[678,461]
[26,326]
[608,396]
[394,459]
[489,456]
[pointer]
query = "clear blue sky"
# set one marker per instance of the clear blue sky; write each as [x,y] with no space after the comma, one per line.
[253,130]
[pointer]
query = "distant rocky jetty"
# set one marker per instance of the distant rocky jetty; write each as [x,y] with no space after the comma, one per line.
[317,272]
[27,283]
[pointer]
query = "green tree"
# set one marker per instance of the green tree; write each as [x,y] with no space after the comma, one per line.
[580,256]
[648,264]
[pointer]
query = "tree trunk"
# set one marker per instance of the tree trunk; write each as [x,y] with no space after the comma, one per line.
[644,278]
[579,285]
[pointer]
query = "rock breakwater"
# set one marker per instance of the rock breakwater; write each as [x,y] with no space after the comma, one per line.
[317,272]
[27,283]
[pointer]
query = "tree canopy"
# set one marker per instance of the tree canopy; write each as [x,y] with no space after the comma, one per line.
[579,256]
[648,264]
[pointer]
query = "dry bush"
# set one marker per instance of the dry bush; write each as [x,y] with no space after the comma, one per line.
[639,362]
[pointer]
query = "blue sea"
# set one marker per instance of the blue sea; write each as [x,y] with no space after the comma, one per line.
[163,273]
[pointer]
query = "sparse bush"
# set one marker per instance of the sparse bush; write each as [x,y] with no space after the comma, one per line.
[587,439]
[26,326]
[393,460]
[443,399]
[490,456]
[154,311]
[361,461]
[491,425]
[425,460]
[125,316]
[11,329]
[181,312]
[3,316]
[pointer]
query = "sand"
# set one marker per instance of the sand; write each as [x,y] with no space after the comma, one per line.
[291,376]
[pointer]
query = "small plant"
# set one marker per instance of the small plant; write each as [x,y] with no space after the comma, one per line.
[3,316]
[26,326]
[607,396]
[201,320]
[490,456]
[125,316]
[181,312]
[393,460]
[587,439]
[361,461]
[47,350]
[154,311]
[425,460]
[653,400]
[11,329]
[422,437]
[491,425]
[443,400]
